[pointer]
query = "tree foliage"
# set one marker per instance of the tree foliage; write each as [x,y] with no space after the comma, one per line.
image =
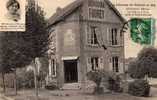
[145,64]
[18,49]
[139,88]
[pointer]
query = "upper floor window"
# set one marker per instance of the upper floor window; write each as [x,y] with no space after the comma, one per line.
[115,62]
[92,36]
[96,3]
[114,36]
[96,13]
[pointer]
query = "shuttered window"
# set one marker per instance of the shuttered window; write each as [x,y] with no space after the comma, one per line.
[53,71]
[94,63]
[115,64]
[92,36]
[113,36]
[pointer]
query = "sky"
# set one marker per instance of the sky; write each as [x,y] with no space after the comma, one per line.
[50,6]
[131,48]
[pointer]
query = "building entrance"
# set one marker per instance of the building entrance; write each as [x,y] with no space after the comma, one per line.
[70,71]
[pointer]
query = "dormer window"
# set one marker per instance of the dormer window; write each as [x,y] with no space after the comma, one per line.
[96,3]
[96,13]
[96,9]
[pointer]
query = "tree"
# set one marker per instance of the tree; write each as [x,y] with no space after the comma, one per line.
[19,49]
[8,54]
[145,64]
[36,35]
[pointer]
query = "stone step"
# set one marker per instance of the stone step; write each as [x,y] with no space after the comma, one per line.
[71,86]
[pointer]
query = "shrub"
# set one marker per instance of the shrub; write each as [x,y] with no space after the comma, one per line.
[96,77]
[25,80]
[51,86]
[139,88]
[101,76]
[114,83]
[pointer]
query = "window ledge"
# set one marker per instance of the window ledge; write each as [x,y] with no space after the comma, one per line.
[116,45]
[93,45]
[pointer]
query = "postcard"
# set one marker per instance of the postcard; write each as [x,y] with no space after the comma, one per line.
[78,49]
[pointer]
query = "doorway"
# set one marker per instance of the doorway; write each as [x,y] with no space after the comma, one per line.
[70,71]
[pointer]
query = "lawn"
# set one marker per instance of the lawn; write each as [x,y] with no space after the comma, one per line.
[73,95]
[77,95]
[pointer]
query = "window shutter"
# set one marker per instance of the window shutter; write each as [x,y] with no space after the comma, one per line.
[107,35]
[109,39]
[120,38]
[99,36]
[101,64]
[50,68]
[88,32]
[110,64]
[55,68]
[121,70]
[89,65]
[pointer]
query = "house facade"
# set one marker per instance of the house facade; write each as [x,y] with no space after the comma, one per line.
[85,36]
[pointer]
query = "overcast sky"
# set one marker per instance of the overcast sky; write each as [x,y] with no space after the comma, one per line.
[131,48]
[50,6]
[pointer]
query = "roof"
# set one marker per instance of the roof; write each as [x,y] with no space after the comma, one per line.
[58,16]
[115,10]
[64,12]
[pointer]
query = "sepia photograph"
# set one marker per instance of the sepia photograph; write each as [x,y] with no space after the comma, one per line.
[12,17]
[13,8]
[78,50]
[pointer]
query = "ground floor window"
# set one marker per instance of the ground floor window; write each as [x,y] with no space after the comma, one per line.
[53,67]
[94,63]
[115,61]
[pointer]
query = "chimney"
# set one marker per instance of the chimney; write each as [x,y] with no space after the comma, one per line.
[58,9]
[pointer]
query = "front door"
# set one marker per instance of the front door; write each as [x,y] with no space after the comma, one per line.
[70,71]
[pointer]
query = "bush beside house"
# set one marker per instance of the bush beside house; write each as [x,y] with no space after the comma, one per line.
[144,66]
[105,80]
[139,88]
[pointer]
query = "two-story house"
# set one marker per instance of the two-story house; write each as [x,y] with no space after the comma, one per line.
[78,32]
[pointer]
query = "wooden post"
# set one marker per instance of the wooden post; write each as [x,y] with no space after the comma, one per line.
[15,81]
[3,79]
[35,79]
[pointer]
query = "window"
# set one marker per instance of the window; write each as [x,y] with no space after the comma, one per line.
[96,9]
[53,68]
[92,36]
[94,63]
[114,34]
[96,13]
[115,64]
[94,3]
[52,45]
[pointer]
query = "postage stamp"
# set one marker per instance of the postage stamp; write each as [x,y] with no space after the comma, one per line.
[142,30]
